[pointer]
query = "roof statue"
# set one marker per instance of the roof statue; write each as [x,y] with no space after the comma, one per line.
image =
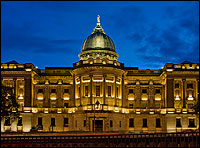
[98,20]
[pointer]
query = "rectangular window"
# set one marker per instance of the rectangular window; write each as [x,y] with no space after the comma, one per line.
[86,90]
[66,90]
[131,122]
[66,122]
[191,123]
[53,122]
[178,122]
[53,90]
[176,85]
[84,123]
[130,91]
[40,90]
[66,105]
[98,91]
[120,124]
[7,121]
[76,123]
[109,91]
[111,123]
[144,91]
[157,91]
[117,93]
[144,122]
[190,85]
[130,105]
[79,91]
[158,122]
[39,121]
[19,121]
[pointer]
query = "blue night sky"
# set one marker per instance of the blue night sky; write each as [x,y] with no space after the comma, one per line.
[147,34]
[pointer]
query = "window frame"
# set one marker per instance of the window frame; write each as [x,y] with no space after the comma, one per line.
[158,124]
[66,122]
[109,91]
[98,91]
[131,122]
[53,122]
[144,123]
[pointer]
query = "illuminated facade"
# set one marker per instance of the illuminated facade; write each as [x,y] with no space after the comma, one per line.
[99,89]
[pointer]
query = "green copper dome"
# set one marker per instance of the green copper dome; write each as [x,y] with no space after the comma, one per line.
[98,40]
[98,45]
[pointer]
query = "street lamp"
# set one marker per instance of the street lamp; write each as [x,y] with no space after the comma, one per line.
[97,103]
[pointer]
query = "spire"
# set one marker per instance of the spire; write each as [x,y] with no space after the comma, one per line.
[98,28]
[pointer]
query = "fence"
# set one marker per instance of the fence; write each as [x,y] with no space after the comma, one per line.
[105,140]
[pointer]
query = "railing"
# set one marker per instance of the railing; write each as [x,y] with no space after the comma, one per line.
[105,140]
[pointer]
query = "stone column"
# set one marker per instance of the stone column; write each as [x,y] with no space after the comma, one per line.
[164,104]
[15,86]
[123,92]
[27,98]
[184,99]
[59,99]
[197,89]
[73,92]
[104,89]
[90,89]
[115,90]
[80,93]
[170,93]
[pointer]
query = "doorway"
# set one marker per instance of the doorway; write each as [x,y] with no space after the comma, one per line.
[98,125]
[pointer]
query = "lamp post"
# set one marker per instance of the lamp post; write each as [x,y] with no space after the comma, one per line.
[97,103]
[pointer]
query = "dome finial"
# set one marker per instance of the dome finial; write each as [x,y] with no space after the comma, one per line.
[98,20]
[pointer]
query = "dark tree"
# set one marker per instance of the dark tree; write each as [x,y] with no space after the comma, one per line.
[9,105]
[196,107]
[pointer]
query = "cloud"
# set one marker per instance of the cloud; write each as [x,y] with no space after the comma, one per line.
[27,39]
[174,39]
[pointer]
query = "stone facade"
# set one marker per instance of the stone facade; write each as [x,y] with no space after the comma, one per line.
[99,89]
